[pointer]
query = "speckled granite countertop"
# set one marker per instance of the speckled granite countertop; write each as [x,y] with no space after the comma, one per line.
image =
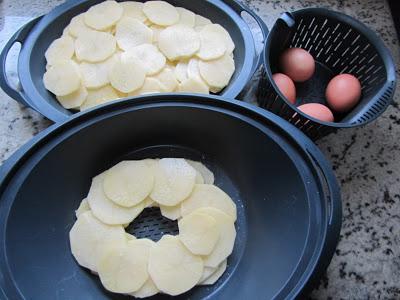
[366,160]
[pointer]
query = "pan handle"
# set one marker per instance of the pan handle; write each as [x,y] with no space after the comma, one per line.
[239,8]
[18,37]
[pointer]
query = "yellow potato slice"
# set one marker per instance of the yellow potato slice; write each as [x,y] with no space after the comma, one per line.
[227,235]
[199,233]
[193,85]
[181,70]
[207,272]
[171,212]
[60,49]
[174,181]
[161,13]
[208,195]
[62,78]
[178,41]
[156,32]
[99,96]
[83,207]
[103,15]
[150,86]
[75,99]
[206,174]
[173,268]
[168,79]
[186,17]
[218,72]
[123,269]
[127,76]
[94,46]
[147,290]
[200,21]
[133,9]
[77,26]
[215,275]
[88,236]
[106,210]
[130,33]
[152,60]
[212,42]
[128,183]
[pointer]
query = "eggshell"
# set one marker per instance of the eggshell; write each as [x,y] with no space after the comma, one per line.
[343,92]
[317,111]
[298,64]
[286,86]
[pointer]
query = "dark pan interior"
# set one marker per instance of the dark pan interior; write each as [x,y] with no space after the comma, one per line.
[277,213]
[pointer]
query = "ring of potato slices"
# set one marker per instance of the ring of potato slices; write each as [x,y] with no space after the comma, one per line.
[184,190]
[120,49]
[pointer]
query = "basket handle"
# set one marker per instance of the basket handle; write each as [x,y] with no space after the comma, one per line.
[18,37]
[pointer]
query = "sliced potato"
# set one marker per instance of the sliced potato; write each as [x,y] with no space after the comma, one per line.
[227,235]
[62,78]
[130,33]
[207,175]
[186,17]
[208,195]
[129,236]
[174,181]
[127,76]
[103,15]
[181,70]
[193,70]
[168,79]
[161,13]
[201,21]
[150,57]
[133,9]
[123,269]
[106,210]
[215,275]
[218,72]
[94,46]
[178,41]
[77,26]
[60,49]
[148,202]
[212,42]
[199,233]
[156,32]
[88,236]
[75,99]
[128,183]
[193,85]
[230,45]
[199,178]
[99,96]
[147,290]
[171,212]
[83,207]
[150,86]
[173,268]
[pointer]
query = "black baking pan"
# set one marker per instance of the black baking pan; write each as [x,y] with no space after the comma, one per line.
[36,36]
[339,44]
[288,200]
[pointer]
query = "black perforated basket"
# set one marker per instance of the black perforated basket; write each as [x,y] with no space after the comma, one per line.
[339,44]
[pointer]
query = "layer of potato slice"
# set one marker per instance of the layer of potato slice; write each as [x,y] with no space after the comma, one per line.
[77,26]
[127,76]
[103,15]
[186,17]
[83,207]
[181,70]
[171,212]
[200,21]
[147,290]
[130,33]
[161,13]
[207,175]
[212,42]
[218,72]
[149,56]
[62,78]
[99,96]
[60,49]
[193,85]
[75,99]
[150,86]
[173,268]
[94,46]
[215,275]
[133,9]
[168,79]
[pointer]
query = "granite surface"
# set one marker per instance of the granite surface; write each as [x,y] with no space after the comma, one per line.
[366,160]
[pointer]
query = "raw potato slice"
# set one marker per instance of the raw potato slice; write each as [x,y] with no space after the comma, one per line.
[62,78]
[201,21]
[181,71]
[147,290]
[150,86]
[75,99]
[227,235]
[174,181]
[88,236]
[106,210]
[156,32]
[94,46]
[127,76]
[78,27]
[230,46]
[130,33]
[83,207]
[212,42]
[178,41]
[186,17]
[103,15]
[199,233]
[60,49]
[168,79]
[173,268]
[133,9]
[193,85]
[218,72]
[207,272]
[193,69]
[129,236]
[128,183]
[171,212]
[216,275]
[123,269]
[161,13]
[208,195]
[199,178]
[207,175]
[99,96]
[152,60]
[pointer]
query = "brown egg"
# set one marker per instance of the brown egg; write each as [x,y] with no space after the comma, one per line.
[286,86]
[298,64]
[343,92]
[317,111]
